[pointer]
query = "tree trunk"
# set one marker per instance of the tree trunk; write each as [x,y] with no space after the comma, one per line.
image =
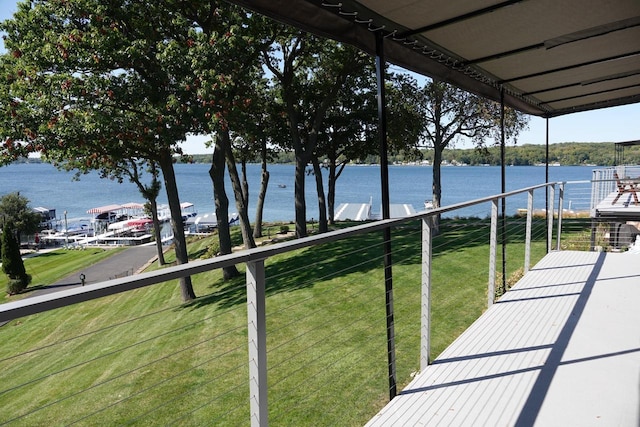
[331,192]
[179,241]
[437,183]
[300,203]
[156,231]
[264,182]
[240,196]
[216,172]
[150,193]
[334,173]
[322,204]
[245,182]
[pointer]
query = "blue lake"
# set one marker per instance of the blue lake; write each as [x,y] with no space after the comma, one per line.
[46,186]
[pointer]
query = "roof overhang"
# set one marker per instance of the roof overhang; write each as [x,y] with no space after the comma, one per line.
[551,57]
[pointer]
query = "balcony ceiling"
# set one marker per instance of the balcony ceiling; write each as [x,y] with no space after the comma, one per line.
[552,57]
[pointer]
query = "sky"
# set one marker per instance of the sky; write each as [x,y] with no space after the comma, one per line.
[614,124]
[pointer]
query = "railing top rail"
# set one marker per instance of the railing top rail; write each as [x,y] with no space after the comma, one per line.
[38,304]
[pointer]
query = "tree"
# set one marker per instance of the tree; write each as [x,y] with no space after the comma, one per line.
[308,73]
[118,169]
[12,264]
[150,192]
[90,74]
[15,210]
[352,124]
[222,59]
[256,141]
[450,113]
[216,172]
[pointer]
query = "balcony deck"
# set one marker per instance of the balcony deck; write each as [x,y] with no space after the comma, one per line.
[624,207]
[561,348]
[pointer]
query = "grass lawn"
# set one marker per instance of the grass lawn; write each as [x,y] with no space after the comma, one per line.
[144,358]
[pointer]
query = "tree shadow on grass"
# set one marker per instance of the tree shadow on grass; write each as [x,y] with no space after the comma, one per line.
[199,254]
[302,270]
[44,254]
[361,254]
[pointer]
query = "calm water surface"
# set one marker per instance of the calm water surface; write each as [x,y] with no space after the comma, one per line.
[46,186]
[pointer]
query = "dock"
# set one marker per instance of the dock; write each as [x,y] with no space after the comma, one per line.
[353,212]
[561,348]
[363,211]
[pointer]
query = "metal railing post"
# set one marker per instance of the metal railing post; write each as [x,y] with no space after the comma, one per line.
[527,243]
[427,247]
[560,208]
[493,243]
[550,213]
[257,332]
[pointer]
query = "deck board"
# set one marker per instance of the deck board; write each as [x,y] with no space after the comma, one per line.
[561,348]
[624,206]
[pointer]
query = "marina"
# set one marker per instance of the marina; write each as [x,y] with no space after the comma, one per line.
[114,224]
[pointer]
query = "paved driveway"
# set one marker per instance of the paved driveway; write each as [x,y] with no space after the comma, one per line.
[124,263]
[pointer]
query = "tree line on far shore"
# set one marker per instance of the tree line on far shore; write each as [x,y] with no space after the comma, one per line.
[566,153]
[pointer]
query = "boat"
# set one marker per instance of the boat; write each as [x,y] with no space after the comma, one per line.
[207,223]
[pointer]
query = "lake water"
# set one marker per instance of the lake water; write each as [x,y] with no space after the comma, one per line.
[48,187]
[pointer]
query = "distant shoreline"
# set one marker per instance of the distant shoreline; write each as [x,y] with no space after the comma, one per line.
[590,154]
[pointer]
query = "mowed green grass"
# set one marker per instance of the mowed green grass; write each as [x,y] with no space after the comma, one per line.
[144,358]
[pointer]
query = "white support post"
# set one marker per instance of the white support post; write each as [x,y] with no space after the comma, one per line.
[550,213]
[493,243]
[425,344]
[560,208]
[527,244]
[257,332]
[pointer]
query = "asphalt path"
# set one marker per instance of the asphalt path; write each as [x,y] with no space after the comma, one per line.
[125,263]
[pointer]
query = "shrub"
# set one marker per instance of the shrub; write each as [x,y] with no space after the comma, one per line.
[15,286]
[511,281]
[12,264]
[284,229]
[212,250]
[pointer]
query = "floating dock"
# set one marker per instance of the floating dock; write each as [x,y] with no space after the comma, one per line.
[363,211]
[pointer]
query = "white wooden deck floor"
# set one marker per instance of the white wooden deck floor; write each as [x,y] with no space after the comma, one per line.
[562,348]
[624,206]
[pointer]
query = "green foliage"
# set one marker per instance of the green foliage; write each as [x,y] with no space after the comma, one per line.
[284,229]
[15,209]
[15,286]
[212,250]
[567,154]
[12,264]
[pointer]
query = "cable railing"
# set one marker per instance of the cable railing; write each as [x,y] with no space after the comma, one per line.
[302,340]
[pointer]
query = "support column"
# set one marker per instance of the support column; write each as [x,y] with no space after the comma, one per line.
[546,177]
[560,209]
[257,332]
[503,201]
[527,244]
[425,324]
[550,215]
[386,212]
[493,240]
